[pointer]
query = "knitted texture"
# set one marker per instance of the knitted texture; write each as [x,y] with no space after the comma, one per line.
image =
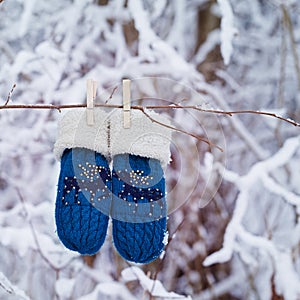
[144,137]
[139,207]
[84,182]
[84,199]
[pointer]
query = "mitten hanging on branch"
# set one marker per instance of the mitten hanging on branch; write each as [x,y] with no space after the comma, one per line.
[139,208]
[84,185]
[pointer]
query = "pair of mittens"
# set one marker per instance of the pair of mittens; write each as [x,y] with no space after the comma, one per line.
[133,194]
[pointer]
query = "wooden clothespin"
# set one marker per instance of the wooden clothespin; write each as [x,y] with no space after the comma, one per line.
[126,103]
[91,86]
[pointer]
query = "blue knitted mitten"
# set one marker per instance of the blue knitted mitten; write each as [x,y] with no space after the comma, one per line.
[139,207]
[84,182]
[84,186]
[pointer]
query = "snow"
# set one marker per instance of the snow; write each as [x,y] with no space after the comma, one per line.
[64,287]
[235,230]
[141,22]
[166,238]
[155,288]
[286,278]
[158,8]
[210,43]
[111,290]
[29,6]
[12,289]
[228,31]
[251,191]
[227,284]
[176,37]
[276,188]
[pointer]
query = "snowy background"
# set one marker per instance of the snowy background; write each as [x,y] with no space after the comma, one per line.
[234,227]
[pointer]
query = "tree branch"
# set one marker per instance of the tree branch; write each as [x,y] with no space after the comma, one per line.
[11,289]
[36,240]
[182,131]
[193,107]
[143,109]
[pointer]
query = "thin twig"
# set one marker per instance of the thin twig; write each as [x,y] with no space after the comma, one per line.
[34,233]
[112,93]
[230,113]
[181,101]
[180,130]
[7,290]
[10,93]
[41,106]
[44,257]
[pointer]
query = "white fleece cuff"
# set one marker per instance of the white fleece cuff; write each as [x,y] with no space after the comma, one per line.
[73,132]
[144,137]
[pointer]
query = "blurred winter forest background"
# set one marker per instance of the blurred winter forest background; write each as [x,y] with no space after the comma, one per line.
[234,227]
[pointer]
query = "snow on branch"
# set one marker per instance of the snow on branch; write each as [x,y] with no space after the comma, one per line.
[11,289]
[218,289]
[273,187]
[286,277]
[236,123]
[235,231]
[228,31]
[141,22]
[153,287]
[245,184]
[108,290]
[35,240]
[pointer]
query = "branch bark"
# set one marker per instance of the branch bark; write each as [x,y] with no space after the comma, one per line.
[142,108]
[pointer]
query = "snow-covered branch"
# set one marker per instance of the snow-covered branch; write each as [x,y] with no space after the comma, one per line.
[235,231]
[51,48]
[228,31]
[245,183]
[12,289]
[154,288]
